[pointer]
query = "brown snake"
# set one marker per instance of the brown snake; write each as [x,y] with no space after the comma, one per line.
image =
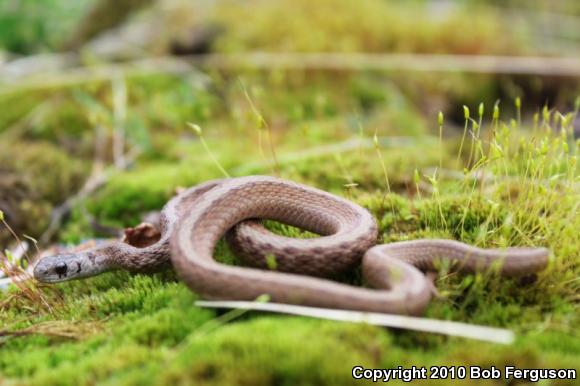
[193,222]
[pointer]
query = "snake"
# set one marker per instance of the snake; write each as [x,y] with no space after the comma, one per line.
[300,271]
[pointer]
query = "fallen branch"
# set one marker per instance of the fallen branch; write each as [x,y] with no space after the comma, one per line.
[351,144]
[74,76]
[93,183]
[483,333]
[483,64]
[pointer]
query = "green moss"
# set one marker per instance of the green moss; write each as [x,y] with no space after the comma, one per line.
[135,329]
[139,330]
[271,351]
[35,178]
[367,26]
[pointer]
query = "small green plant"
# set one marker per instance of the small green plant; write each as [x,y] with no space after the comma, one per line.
[440,122]
[467,119]
[263,125]
[199,132]
[518,104]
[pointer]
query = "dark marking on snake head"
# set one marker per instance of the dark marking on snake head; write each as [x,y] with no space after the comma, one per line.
[78,267]
[61,269]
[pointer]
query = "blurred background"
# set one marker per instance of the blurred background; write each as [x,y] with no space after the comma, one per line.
[87,84]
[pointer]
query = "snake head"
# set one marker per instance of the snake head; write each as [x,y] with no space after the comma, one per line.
[58,268]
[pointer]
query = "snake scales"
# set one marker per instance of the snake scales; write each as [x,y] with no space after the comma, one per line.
[193,222]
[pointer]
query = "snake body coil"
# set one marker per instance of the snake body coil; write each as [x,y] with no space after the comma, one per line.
[192,223]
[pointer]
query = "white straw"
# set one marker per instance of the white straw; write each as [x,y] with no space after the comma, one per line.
[489,334]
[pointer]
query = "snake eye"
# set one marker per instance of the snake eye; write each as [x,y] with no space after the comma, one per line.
[61,268]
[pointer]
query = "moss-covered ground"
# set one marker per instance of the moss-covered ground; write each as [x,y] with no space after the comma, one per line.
[491,176]
[137,329]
